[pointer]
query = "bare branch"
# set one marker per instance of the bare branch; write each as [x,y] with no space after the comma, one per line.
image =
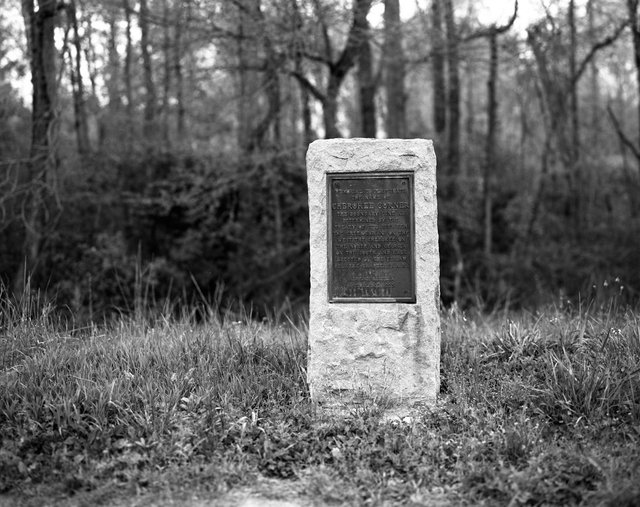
[623,137]
[487,32]
[358,27]
[607,41]
[508,24]
[309,86]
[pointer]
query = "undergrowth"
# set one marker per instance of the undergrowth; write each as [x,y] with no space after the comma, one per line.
[537,409]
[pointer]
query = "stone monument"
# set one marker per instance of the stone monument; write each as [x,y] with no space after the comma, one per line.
[374,329]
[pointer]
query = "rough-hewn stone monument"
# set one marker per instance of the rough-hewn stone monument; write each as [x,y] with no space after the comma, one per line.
[374,330]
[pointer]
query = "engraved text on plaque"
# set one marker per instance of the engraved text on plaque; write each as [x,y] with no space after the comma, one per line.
[371,231]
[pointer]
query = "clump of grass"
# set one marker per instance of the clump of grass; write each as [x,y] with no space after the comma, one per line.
[593,370]
[570,367]
[158,394]
[535,409]
[549,384]
[27,323]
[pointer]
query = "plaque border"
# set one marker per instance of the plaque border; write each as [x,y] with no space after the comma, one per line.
[330,177]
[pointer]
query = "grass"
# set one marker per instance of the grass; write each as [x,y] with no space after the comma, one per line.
[534,410]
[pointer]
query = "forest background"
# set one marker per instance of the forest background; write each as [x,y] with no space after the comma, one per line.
[158,151]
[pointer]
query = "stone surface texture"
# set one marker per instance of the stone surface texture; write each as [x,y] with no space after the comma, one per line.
[386,354]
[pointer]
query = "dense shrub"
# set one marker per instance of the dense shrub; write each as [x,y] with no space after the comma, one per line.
[150,227]
[198,227]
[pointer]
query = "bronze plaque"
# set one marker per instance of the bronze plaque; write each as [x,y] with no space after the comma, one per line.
[371,237]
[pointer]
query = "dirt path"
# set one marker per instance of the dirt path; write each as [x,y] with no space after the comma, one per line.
[264,493]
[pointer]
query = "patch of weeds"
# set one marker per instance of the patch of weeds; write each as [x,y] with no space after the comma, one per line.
[599,379]
[27,325]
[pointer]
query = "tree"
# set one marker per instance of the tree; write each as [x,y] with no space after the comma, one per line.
[297,47]
[128,62]
[394,74]
[337,67]
[632,10]
[492,126]
[147,67]
[575,175]
[438,61]
[634,27]
[167,70]
[366,83]
[77,85]
[258,65]
[182,9]
[453,96]
[43,159]
[557,87]
[113,69]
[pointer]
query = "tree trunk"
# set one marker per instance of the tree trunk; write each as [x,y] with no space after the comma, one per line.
[128,86]
[439,84]
[271,86]
[595,128]
[492,131]
[631,174]
[540,190]
[249,132]
[394,73]
[492,120]
[470,78]
[632,7]
[367,86]
[594,80]
[90,58]
[339,69]
[40,26]
[147,69]
[305,98]
[330,110]
[80,113]
[166,81]
[575,176]
[43,76]
[453,97]
[113,83]
[243,115]
[177,69]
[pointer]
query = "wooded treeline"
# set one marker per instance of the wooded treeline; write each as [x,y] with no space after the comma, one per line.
[161,154]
